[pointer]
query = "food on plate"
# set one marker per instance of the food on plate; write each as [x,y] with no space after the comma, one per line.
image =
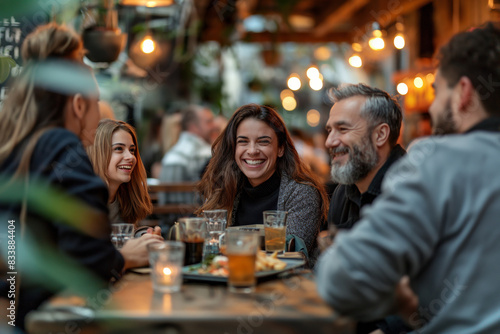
[218,266]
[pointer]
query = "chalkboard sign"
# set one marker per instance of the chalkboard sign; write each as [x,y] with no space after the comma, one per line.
[13,31]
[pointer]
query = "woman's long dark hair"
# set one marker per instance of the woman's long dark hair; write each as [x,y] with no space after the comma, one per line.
[223,178]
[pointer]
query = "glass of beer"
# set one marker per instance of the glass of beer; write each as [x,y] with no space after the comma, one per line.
[192,232]
[275,230]
[241,251]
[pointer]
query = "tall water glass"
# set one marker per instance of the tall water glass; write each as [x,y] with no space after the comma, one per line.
[216,226]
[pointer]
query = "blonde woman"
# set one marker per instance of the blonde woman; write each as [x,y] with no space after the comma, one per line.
[116,159]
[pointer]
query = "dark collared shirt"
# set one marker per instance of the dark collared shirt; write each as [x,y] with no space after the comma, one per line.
[347,201]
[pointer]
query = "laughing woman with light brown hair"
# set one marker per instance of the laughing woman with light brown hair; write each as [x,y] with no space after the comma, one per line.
[116,159]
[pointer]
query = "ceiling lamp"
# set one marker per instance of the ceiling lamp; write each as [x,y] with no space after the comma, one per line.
[355,61]
[294,82]
[289,103]
[418,82]
[148,45]
[399,39]
[312,72]
[376,42]
[313,117]
[402,88]
[147,3]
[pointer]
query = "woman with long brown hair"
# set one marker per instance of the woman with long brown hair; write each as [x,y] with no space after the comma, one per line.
[116,159]
[255,167]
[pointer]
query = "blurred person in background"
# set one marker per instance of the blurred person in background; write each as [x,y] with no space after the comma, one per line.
[185,161]
[48,191]
[304,146]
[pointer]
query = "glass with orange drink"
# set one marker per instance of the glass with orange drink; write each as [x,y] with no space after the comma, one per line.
[241,251]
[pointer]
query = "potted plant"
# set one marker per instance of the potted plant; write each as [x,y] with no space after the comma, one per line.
[102,38]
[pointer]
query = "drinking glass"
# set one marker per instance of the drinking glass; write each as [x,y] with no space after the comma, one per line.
[241,251]
[275,230]
[121,233]
[216,226]
[193,232]
[166,260]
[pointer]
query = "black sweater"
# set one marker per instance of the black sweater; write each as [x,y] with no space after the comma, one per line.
[66,242]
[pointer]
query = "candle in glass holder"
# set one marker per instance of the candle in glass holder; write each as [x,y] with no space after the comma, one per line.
[166,260]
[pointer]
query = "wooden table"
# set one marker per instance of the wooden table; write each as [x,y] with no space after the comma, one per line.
[286,305]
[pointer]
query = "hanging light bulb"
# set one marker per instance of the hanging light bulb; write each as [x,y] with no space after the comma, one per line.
[312,72]
[147,3]
[399,39]
[148,45]
[402,88]
[376,42]
[418,82]
[294,82]
[355,61]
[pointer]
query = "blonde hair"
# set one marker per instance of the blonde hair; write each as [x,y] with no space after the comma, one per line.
[31,109]
[133,197]
[54,41]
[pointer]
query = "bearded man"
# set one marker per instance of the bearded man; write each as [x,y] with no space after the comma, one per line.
[363,129]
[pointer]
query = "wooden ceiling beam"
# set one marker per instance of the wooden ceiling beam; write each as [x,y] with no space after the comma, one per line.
[283,37]
[385,12]
[338,16]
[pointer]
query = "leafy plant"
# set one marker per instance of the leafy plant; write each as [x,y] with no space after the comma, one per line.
[6,64]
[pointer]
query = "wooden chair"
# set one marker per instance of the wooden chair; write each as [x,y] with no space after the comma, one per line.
[169,208]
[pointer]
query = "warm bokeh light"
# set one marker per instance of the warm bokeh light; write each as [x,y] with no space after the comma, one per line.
[357,47]
[285,93]
[355,61]
[148,45]
[418,82]
[322,53]
[289,103]
[312,72]
[313,117]
[399,41]
[376,43]
[167,271]
[294,82]
[402,88]
[429,77]
[316,83]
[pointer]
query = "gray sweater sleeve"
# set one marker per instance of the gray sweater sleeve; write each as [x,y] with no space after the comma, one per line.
[303,204]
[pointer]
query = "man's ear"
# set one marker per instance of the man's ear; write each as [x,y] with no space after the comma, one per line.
[464,94]
[380,134]
[79,106]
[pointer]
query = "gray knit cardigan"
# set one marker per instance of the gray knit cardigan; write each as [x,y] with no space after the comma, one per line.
[303,203]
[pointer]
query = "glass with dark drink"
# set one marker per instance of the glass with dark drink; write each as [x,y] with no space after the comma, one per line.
[193,232]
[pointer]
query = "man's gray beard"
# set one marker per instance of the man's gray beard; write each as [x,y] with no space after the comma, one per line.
[445,125]
[361,161]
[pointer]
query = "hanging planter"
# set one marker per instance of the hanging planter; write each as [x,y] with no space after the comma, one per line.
[104,40]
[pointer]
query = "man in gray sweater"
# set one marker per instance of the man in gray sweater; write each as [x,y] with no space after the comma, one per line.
[436,220]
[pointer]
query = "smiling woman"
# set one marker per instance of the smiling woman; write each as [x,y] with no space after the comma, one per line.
[255,167]
[115,157]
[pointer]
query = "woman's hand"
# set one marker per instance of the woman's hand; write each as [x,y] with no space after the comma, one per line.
[135,251]
[156,230]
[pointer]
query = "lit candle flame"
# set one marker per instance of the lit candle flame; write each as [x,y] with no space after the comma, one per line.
[167,271]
